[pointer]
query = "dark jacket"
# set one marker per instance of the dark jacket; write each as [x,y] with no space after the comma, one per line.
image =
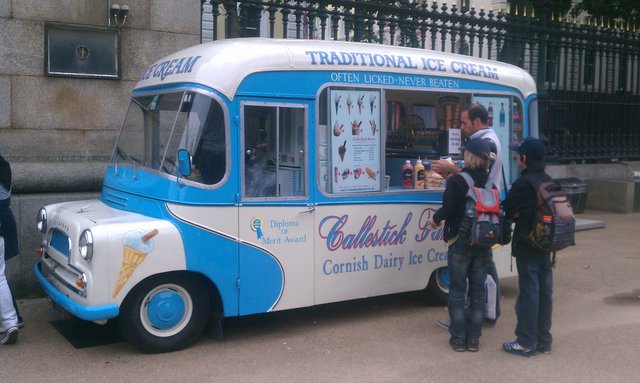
[8,228]
[454,200]
[520,205]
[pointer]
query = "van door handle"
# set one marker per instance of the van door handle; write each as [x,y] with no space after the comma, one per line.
[310,209]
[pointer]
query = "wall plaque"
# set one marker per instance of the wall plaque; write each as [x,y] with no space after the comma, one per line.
[82,51]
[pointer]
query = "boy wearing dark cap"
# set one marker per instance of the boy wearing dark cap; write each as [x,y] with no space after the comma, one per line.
[467,265]
[535,278]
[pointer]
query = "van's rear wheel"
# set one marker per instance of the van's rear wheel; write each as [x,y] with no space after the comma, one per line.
[438,288]
[164,313]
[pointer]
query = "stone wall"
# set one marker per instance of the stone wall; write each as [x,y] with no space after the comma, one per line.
[59,132]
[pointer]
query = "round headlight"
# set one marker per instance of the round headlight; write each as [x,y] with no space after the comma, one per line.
[85,245]
[41,220]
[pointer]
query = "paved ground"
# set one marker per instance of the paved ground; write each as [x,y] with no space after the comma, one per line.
[390,339]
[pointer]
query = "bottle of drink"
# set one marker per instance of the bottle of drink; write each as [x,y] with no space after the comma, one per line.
[516,113]
[407,175]
[490,112]
[502,116]
[418,175]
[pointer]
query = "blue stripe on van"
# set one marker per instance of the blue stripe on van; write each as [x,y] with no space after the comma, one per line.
[261,280]
[215,256]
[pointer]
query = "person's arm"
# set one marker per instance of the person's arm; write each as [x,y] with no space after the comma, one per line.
[444,168]
[450,199]
[518,199]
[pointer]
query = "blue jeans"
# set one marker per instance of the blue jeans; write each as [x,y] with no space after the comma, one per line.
[494,274]
[467,264]
[534,304]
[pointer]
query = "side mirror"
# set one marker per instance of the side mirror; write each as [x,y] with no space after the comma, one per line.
[184,163]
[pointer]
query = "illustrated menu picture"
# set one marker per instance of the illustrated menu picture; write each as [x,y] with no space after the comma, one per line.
[355,141]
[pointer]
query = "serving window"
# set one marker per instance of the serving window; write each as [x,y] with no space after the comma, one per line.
[366,136]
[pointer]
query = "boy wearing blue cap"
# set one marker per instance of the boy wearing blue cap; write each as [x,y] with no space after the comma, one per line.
[535,278]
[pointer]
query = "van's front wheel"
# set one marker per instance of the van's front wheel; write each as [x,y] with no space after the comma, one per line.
[437,290]
[164,313]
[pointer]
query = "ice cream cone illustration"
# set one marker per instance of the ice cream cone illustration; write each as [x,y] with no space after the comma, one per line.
[336,100]
[349,104]
[371,173]
[372,100]
[137,245]
[355,127]
[342,149]
[374,127]
[360,103]
[337,129]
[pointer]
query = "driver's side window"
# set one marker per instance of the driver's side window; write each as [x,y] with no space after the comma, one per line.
[203,135]
[209,157]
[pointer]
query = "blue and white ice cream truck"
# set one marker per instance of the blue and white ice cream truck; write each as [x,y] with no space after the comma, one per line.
[256,175]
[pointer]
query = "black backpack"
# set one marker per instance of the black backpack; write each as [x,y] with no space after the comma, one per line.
[480,225]
[554,223]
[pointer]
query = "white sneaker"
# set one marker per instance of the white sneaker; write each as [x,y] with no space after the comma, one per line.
[444,323]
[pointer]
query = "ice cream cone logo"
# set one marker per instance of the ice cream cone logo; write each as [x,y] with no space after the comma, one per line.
[137,244]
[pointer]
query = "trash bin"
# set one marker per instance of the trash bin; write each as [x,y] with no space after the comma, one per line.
[576,191]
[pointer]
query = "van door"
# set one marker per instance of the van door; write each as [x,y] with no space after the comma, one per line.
[276,216]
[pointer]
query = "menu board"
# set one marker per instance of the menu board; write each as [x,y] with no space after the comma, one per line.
[355,143]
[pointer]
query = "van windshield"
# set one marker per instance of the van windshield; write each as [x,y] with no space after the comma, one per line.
[157,126]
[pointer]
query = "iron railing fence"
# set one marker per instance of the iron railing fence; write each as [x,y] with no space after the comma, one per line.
[588,74]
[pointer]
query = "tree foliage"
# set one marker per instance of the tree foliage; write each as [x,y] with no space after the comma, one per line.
[613,9]
[628,10]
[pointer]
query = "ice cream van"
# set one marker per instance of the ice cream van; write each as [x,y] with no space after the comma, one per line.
[257,175]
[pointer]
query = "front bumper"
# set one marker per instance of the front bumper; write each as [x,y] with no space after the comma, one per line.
[90,313]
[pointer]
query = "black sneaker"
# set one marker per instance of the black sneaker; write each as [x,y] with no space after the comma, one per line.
[20,323]
[490,322]
[543,348]
[457,344]
[473,344]
[10,336]
[516,349]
